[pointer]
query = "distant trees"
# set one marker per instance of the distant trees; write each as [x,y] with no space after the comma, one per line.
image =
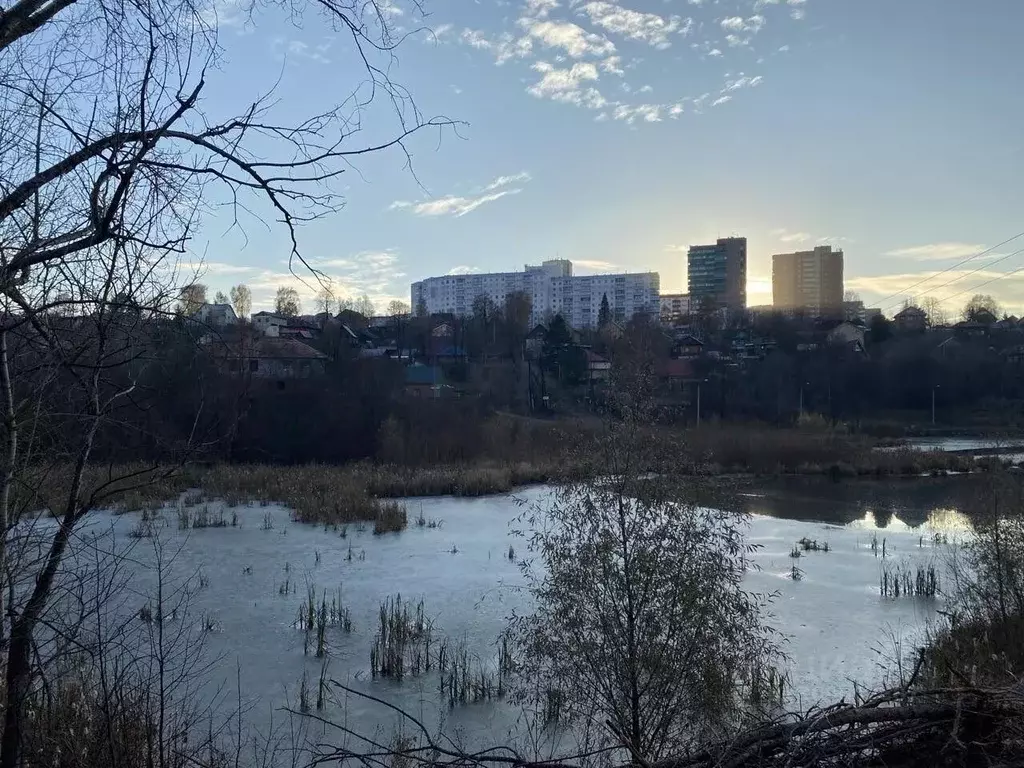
[981,302]
[286,302]
[364,306]
[241,300]
[220,298]
[397,308]
[936,312]
[325,302]
[190,299]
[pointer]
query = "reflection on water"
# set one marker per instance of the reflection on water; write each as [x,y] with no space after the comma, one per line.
[944,521]
[943,505]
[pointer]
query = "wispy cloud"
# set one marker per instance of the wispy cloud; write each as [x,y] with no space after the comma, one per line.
[784,235]
[462,269]
[377,274]
[460,205]
[649,28]
[937,251]
[568,85]
[569,37]
[597,265]
[297,49]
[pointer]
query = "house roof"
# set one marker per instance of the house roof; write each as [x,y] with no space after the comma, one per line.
[593,357]
[268,348]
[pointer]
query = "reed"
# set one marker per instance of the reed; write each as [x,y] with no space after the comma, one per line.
[403,642]
[812,545]
[391,518]
[900,581]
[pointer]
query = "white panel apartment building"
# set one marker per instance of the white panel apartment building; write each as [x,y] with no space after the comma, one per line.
[552,288]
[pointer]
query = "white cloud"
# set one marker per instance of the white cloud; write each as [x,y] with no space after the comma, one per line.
[783,235]
[571,38]
[460,205]
[613,65]
[596,265]
[783,48]
[721,100]
[636,25]
[742,82]
[937,251]
[540,9]
[462,269]
[714,52]
[751,25]
[649,113]
[567,85]
[214,268]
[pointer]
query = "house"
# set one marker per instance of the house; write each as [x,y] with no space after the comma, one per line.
[216,315]
[847,335]
[911,320]
[972,328]
[269,358]
[268,323]
[686,346]
[598,367]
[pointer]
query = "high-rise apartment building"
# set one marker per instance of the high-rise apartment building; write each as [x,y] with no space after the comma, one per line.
[552,288]
[811,281]
[717,275]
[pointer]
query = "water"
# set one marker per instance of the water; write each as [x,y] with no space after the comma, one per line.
[837,628]
[961,443]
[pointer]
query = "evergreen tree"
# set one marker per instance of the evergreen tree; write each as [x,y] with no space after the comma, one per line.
[604,315]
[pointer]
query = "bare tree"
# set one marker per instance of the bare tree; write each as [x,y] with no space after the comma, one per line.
[398,308]
[981,302]
[108,158]
[241,300]
[286,302]
[221,298]
[326,301]
[364,306]
[936,312]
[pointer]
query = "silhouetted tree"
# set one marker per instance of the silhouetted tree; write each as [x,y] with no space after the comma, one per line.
[286,303]
[981,302]
[604,314]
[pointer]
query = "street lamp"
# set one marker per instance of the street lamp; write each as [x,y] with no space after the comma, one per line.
[699,382]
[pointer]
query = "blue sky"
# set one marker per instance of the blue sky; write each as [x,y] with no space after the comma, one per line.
[616,134]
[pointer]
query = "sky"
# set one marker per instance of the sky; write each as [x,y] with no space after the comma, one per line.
[618,134]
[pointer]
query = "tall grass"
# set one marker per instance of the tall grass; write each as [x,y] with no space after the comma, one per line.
[403,642]
[464,678]
[900,581]
[315,617]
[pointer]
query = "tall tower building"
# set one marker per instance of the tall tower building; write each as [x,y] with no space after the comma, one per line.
[811,281]
[717,275]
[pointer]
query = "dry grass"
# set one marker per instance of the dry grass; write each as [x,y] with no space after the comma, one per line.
[724,449]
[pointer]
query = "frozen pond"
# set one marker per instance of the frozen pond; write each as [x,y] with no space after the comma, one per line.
[962,443]
[837,626]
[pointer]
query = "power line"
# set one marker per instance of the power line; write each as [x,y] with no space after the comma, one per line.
[951,268]
[987,282]
[961,277]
